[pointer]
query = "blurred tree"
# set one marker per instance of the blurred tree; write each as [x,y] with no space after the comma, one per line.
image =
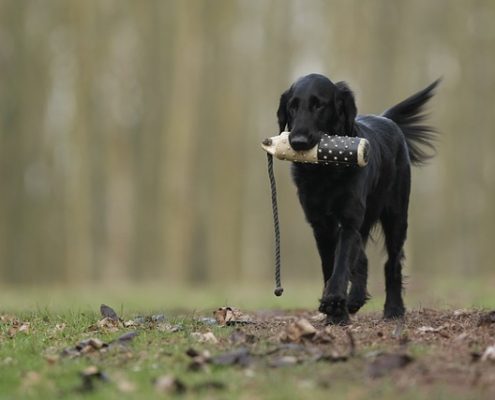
[129,131]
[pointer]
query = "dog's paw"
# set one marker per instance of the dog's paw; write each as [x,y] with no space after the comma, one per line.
[338,320]
[357,299]
[336,309]
[395,311]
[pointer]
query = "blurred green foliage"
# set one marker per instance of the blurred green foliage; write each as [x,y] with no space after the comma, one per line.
[130,130]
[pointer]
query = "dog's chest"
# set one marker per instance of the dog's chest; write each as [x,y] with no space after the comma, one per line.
[323,192]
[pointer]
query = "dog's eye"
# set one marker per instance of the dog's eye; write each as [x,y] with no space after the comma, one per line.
[316,103]
[293,105]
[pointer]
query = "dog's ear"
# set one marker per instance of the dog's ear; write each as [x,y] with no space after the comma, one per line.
[282,116]
[347,110]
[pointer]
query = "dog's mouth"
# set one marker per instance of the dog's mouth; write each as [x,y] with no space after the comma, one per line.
[304,142]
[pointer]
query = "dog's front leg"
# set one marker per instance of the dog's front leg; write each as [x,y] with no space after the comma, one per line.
[333,302]
[326,235]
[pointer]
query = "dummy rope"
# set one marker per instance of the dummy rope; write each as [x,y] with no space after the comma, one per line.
[278,289]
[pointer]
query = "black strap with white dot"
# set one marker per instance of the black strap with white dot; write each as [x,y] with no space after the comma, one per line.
[339,150]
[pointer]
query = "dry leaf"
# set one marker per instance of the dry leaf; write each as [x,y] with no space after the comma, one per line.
[108,324]
[126,337]
[324,336]
[283,361]
[240,337]
[230,316]
[5,318]
[158,318]
[30,378]
[208,337]
[489,354]
[208,385]
[84,347]
[124,385]
[199,359]
[487,318]
[169,384]
[301,329]
[166,327]
[386,362]
[18,327]
[223,315]
[51,358]
[426,329]
[89,375]
[108,312]
[239,356]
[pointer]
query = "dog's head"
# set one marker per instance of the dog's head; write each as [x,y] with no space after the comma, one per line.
[314,105]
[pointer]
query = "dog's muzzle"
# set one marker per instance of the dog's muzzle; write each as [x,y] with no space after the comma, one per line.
[330,150]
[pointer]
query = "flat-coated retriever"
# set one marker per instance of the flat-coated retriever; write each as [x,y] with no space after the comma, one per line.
[342,204]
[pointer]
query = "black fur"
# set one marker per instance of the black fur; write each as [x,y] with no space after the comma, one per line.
[342,204]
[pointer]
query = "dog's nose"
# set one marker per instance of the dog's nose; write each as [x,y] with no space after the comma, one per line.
[299,142]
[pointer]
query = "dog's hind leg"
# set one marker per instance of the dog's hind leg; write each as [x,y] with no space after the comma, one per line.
[394,225]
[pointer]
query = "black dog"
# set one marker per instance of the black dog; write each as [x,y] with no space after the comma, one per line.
[342,204]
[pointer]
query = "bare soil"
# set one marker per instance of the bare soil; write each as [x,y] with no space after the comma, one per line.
[429,347]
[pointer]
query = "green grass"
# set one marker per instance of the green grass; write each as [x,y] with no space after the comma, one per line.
[26,373]
[422,291]
[154,353]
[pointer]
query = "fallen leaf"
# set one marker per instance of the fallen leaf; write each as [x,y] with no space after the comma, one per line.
[324,336]
[283,361]
[487,318]
[489,354]
[230,316]
[57,329]
[240,356]
[139,320]
[126,337]
[208,321]
[51,358]
[166,327]
[108,312]
[332,356]
[8,361]
[426,329]
[299,330]
[238,337]
[319,317]
[223,315]
[94,343]
[461,312]
[18,327]
[89,375]
[199,359]
[108,324]
[30,379]
[125,386]
[386,362]
[169,384]
[208,337]
[209,385]
[158,318]
[84,347]
[6,318]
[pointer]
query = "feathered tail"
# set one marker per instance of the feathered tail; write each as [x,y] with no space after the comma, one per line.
[408,114]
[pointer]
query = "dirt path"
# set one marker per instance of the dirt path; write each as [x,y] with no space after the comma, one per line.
[430,347]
